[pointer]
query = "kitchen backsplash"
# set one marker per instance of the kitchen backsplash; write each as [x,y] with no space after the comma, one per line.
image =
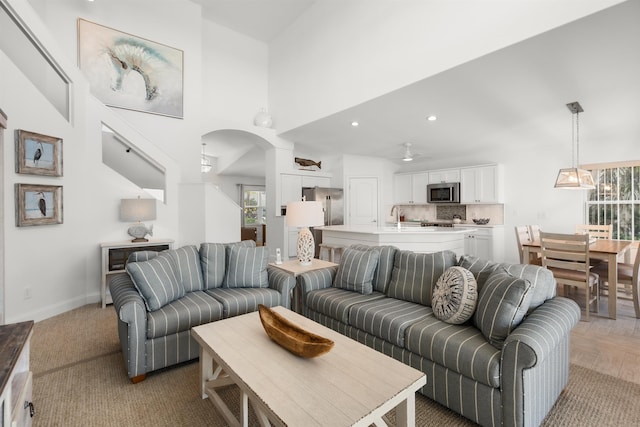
[467,213]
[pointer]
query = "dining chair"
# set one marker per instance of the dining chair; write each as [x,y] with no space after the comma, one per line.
[567,256]
[596,231]
[534,231]
[523,235]
[627,276]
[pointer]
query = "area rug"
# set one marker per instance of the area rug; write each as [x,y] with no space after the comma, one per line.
[80,380]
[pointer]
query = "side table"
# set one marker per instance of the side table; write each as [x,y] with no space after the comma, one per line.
[294,268]
[114,259]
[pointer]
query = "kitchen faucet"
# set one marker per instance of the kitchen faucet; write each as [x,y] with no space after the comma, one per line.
[397,208]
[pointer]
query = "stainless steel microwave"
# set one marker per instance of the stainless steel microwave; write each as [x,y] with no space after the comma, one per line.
[447,192]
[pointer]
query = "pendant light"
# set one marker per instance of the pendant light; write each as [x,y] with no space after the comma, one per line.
[574,178]
[205,163]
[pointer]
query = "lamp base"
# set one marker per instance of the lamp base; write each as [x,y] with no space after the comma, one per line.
[139,239]
[306,246]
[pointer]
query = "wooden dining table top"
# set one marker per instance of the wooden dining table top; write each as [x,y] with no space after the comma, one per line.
[607,246]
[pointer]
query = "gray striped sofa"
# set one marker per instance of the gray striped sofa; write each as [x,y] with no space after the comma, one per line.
[510,381]
[165,295]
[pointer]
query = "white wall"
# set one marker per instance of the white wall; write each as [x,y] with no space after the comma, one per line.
[366,48]
[175,23]
[59,265]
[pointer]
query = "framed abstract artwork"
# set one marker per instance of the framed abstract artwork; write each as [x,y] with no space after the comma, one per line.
[38,204]
[38,154]
[130,72]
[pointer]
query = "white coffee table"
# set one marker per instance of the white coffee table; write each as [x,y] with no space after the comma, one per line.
[352,385]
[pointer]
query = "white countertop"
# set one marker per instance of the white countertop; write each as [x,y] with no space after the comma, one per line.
[373,229]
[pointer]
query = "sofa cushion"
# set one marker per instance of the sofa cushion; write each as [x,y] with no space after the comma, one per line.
[382,273]
[387,318]
[138,256]
[481,268]
[187,267]
[502,304]
[236,301]
[156,281]
[355,272]
[542,282]
[247,267]
[214,261]
[193,309]
[455,296]
[336,302]
[461,348]
[415,274]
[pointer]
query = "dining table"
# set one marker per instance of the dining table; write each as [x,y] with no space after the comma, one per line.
[609,250]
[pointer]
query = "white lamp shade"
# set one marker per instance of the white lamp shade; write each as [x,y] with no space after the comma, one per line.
[305,214]
[574,178]
[137,210]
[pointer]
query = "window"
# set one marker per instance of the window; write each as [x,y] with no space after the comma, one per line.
[254,205]
[616,198]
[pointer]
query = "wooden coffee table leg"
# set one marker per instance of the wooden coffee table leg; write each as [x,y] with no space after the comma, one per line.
[206,371]
[406,412]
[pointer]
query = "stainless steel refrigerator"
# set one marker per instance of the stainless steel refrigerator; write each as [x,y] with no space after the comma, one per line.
[332,205]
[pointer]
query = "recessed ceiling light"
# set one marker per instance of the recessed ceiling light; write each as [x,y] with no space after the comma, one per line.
[354,124]
[432,118]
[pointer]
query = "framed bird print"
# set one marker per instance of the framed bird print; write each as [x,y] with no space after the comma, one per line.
[38,154]
[38,204]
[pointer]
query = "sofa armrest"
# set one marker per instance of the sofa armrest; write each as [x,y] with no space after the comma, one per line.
[282,282]
[132,323]
[535,362]
[314,280]
[543,329]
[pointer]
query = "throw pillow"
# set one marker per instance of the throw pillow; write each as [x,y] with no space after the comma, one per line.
[156,281]
[481,268]
[414,274]
[187,268]
[502,304]
[382,274]
[247,267]
[355,272]
[455,296]
[142,256]
[214,261]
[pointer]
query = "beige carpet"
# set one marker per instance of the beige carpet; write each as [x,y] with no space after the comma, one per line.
[80,380]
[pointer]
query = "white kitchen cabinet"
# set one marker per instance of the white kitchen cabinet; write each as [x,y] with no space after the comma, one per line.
[290,188]
[481,184]
[402,188]
[485,242]
[419,183]
[316,181]
[444,175]
[410,188]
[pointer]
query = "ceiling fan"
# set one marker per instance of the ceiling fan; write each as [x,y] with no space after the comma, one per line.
[408,155]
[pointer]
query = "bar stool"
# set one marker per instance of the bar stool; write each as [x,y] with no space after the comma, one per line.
[331,253]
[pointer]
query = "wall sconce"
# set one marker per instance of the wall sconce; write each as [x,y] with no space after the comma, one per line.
[138,210]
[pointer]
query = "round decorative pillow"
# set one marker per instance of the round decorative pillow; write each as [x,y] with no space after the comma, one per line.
[455,296]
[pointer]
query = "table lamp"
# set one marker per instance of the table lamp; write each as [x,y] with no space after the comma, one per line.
[305,214]
[138,210]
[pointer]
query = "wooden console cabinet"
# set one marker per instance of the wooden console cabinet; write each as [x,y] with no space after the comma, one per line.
[114,259]
[16,406]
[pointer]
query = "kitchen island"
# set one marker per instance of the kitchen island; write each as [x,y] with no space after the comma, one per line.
[416,239]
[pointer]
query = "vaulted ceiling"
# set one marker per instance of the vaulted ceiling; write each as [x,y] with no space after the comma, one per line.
[483,103]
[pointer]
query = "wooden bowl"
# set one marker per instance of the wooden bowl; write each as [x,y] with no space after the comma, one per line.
[292,337]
